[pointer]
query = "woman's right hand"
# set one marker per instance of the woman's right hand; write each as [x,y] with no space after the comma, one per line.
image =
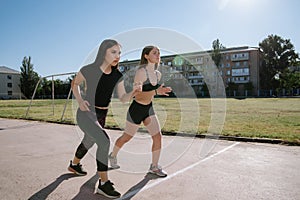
[84,105]
[138,87]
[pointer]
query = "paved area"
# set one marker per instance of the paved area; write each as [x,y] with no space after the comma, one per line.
[34,157]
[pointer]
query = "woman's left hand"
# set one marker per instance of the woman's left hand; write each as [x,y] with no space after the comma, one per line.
[162,90]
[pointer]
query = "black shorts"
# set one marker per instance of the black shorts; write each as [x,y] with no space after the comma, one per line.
[138,112]
[101,116]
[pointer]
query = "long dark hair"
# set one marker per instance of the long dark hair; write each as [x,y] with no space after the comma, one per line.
[106,44]
[146,51]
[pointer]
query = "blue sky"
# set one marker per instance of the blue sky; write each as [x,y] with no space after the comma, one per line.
[60,34]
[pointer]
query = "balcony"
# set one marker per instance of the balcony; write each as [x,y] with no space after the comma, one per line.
[241,81]
[240,56]
[195,77]
[194,84]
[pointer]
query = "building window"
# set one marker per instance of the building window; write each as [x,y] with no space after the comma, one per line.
[9,85]
[240,56]
[199,60]
[9,77]
[9,93]
[228,72]
[240,72]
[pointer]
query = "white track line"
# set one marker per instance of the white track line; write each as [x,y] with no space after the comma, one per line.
[178,172]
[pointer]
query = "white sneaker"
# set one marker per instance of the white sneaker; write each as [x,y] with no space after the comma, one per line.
[157,170]
[113,162]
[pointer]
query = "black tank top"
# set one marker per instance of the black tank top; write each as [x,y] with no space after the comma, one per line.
[100,86]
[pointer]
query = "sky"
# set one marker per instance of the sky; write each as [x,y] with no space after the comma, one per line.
[59,35]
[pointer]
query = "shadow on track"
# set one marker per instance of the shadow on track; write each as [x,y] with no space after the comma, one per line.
[46,191]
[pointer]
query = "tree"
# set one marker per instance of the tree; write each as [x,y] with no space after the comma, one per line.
[44,91]
[231,87]
[61,88]
[205,90]
[248,86]
[278,55]
[216,52]
[29,77]
[290,80]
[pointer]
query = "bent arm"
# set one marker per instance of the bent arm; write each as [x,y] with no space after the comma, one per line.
[78,79]
[123,96]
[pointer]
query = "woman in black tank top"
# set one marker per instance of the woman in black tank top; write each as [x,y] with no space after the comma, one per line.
[100,78]
[141,109]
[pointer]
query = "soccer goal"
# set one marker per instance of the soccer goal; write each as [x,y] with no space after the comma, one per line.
[46,92]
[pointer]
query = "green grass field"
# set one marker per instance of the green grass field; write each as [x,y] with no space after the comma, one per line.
[276,118]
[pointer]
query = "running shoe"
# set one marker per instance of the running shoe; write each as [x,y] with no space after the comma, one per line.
[113,161]
[108,190]
[157,170]
[77,169]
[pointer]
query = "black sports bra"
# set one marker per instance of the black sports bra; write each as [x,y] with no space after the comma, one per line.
[147,86]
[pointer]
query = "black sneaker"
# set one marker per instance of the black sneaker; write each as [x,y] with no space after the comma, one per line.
[108,190]
[77,169]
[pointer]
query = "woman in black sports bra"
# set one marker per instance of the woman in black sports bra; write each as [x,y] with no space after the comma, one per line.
[141,109]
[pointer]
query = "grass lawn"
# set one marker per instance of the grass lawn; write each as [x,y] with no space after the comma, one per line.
[276,118]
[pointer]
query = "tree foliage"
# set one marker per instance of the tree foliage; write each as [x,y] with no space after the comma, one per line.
[278,54]
[232,86]
[29,77]
[61,88]
[290,80]
[216,52]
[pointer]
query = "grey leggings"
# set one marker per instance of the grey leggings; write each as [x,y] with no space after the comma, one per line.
[92,126]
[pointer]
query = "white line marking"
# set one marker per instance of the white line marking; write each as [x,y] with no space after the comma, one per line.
[178,172]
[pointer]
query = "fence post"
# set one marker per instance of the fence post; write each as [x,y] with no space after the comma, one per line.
[53,95]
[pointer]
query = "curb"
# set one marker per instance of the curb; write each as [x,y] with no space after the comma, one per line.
[208,136]
[234,138]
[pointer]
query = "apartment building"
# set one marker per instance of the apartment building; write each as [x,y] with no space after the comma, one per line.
[9,83]
[239,65]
